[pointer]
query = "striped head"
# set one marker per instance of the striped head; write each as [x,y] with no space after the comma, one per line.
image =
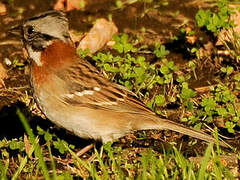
[42,30]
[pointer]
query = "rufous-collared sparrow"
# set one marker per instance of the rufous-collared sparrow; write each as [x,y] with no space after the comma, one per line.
[74,95]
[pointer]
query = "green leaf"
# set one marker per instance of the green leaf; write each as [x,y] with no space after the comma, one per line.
[109,68]
[222,112]
[15,144]
[192,65]
[160,100]
[60,145]
[231,109]
[40,130]
[118,47]
[230,125]
[160,51]
[198,126]
[180,78]
[119,4]
[187,93]
[159,80]
[236,77]
[223,69]
[128,84]
[47,136]
[139,71]
[164,69]
[208,104]
[215,21]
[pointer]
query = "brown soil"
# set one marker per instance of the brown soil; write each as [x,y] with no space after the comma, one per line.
[161,23]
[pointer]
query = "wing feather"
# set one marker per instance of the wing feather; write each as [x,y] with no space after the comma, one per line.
[87,87]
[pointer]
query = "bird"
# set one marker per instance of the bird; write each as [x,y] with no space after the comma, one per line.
[74,95]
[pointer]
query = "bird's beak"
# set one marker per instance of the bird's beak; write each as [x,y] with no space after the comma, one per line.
[16,30]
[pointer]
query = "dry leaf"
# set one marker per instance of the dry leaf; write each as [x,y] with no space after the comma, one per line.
[98,36]
[27,144]
[188,29]
[3,9]
[59,5]
[3,75]
[191,39]
[110,44]
[69,5]
[75,36]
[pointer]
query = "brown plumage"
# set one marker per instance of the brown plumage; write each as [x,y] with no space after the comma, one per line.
[75,96]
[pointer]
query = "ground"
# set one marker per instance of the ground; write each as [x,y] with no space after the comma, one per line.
[146,23]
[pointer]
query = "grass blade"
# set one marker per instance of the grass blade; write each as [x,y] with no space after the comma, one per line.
[32,138]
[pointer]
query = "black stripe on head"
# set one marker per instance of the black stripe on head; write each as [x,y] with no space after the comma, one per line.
[48,37]
[39,40]
[52,13]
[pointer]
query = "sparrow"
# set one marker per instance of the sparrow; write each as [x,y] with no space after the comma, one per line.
[74,95]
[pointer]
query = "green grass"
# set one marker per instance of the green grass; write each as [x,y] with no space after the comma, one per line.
[160,82]
[112,162]
[36,147]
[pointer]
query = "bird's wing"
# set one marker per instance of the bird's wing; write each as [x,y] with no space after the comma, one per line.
[87,87]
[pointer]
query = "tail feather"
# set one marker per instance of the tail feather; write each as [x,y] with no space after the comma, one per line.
[160,123]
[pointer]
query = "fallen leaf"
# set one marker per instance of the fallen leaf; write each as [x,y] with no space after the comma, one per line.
[27,144]
[191,39]
[69,5]
[188,29]
[98,36]
[3,9]
[3,75]
[59,5]
[75,36]
[110,44]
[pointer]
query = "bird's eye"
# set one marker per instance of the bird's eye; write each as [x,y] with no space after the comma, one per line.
[30,30]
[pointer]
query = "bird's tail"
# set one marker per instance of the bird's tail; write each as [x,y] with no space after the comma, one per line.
[160,123]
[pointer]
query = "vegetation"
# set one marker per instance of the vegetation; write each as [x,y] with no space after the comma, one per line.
[150,71]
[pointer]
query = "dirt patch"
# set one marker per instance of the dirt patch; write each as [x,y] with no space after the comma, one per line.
[152,22]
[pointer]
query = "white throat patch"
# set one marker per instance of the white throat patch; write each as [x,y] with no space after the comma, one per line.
[35,55]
